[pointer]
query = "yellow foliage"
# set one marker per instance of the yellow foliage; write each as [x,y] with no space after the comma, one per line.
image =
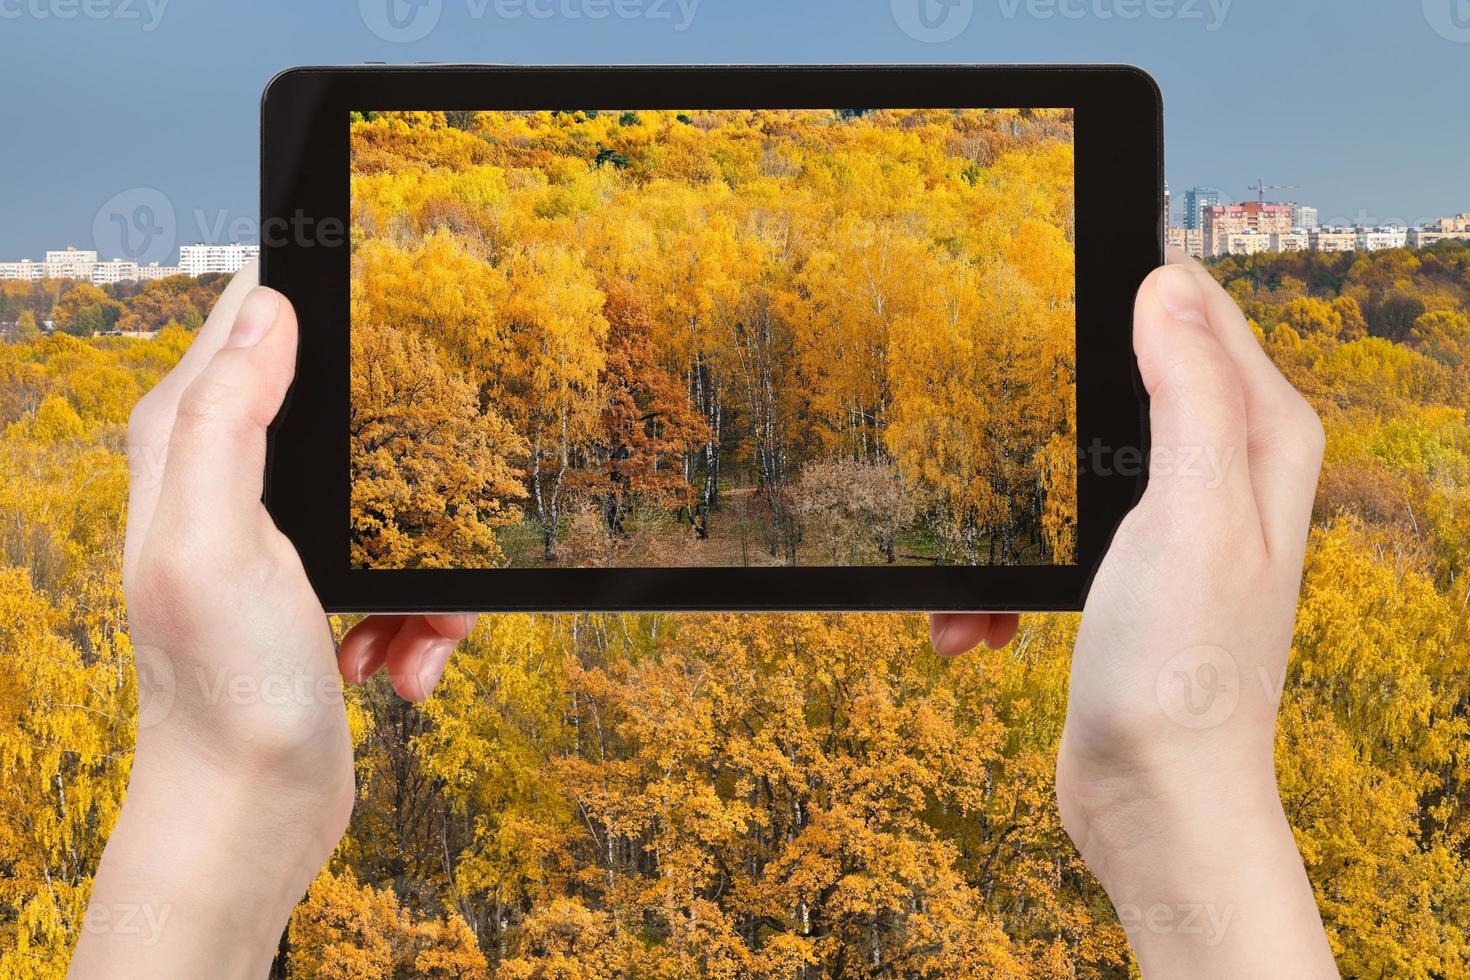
[760,796]
[893,288]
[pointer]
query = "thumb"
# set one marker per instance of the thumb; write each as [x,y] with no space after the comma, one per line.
[1198,466]
[215,469]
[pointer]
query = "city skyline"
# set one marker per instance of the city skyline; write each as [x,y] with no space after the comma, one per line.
[86,265]
[173,106]
[1176,202]
[1354,216]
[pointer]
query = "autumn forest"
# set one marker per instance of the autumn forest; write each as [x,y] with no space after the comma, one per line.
[779,796]
[633,338]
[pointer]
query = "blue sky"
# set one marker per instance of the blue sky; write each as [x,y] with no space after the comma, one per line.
[1359,104]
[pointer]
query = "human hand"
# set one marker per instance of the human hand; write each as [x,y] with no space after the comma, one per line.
[1165,778]
[242,778]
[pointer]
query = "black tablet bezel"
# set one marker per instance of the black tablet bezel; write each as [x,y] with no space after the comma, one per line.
[305,211]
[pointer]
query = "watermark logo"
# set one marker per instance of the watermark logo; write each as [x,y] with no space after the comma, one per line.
[1211,13]
[401,21]
[275,683]
[137,224]
[148,13]
[936,21]
[1207,921]
[142,225]
[933,21]
[157,686]
[1449,18]
[144,923]
[1199,688]
[1204,466]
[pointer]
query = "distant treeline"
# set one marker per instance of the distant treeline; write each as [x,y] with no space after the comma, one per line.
[82,309]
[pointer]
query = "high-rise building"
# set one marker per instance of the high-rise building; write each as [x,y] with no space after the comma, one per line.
[1197,200]
[1168,207]
[1303,216]
[1255,217]
[70,263]
[197,260]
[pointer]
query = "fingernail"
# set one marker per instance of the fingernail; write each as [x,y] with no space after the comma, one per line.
[936,640]
[1180,295]
[256,317]
[431,667]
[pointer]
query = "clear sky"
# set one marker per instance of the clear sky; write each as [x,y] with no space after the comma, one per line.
[1359,103]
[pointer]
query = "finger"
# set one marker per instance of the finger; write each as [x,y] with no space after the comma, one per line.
[212,336]
[153,417]
[364,649]
[417,657]
[1199,471]
[1283,435]
[455,627]
[1003,629]
[952,634]
[215,471]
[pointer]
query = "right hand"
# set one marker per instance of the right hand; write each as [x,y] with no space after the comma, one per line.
[1165,775]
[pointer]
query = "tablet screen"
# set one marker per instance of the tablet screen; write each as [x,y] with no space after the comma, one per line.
[713,338]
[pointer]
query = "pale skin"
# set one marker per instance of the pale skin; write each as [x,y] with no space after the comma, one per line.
[242,782]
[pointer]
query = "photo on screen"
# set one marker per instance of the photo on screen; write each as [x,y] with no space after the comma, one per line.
[713,338]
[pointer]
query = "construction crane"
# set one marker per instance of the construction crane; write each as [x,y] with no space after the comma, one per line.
[1261,187]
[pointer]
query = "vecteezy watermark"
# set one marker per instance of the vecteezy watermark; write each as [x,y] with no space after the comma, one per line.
[1206,920]
[1449,18]
[277,683]
[157,686]
[936,21]
[1199,687]
[144,921]
[932,21]
[142,225]
[401,21]
[405,21]
[1211,13]
[1206,466]
[138,224]
[148,13]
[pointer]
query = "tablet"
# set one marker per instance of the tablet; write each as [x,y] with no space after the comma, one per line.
[709,338]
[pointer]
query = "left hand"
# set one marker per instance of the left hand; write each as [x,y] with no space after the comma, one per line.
[242,779]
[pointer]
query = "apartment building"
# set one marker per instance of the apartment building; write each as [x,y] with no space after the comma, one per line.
[114,270]
[1334,240]
[1378,239]
[1191,240]
[1458,226]
[70,263]
[151,271]
[1296,240]
[198,260]
[1224,220]
[1246,243]
[25,269]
